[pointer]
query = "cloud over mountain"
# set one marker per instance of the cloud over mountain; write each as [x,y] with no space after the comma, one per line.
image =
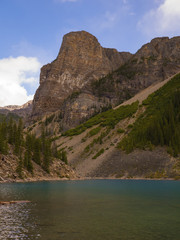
[164,20]
[14,73]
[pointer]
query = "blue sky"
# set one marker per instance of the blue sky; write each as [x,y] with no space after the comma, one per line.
[32,30]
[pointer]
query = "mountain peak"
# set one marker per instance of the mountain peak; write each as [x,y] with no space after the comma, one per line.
[79,34]
[80,61]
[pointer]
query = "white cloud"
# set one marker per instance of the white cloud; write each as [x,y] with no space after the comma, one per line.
[14,72]
[164,20]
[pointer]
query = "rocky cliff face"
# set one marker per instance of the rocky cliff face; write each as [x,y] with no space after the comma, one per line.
[87,78]
[80,61]
[153,63]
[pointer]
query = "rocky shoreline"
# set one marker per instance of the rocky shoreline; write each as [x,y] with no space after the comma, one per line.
[85,178]
[14,202]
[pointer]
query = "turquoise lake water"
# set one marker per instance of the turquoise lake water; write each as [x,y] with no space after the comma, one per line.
[91,210]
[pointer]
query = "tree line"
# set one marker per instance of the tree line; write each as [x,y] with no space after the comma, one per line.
[159,125]
[27,146]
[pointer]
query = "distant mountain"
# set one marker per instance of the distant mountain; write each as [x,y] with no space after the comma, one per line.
[20,110]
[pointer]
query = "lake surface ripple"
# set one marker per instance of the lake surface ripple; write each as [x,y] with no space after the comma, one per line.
[91,210]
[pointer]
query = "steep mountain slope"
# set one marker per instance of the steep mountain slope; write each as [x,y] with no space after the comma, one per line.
[153,63]
[86,79]
[92,146]
[81,59]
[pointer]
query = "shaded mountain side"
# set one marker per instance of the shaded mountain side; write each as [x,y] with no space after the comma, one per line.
[86,79]
[154,62]
[92,147]
[21,111]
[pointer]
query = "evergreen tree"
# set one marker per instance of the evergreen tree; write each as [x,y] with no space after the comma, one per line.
[64,157]
[47,155]
[37,151]
[10,131]
[31,148]
[19,137]
[28,153]
[20,167]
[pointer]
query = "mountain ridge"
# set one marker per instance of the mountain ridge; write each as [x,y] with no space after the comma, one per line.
[81,59]
[93,153]
[90,99]
[86,78]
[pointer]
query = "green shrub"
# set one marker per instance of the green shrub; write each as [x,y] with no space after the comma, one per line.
[49,119]
[126,71]
[62,154]
[74,95]
[94,131]
[177,177]
[120,130]
[98,154]
[98,140]
[106,119]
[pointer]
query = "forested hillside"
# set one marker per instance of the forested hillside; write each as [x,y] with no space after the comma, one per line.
[28,150]
[136,140]
[159,125]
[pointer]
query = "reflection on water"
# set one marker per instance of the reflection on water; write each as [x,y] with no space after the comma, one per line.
[17,222]
[91,210]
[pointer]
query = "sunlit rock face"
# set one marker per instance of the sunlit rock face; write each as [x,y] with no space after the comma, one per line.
[80,61]
[86,78]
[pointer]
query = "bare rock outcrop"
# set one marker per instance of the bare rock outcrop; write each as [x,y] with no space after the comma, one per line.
[9,164]
[153,62]
[80,61]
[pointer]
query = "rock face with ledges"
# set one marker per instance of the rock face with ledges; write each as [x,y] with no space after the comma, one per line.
[86,78]
[154,62]
[81,60]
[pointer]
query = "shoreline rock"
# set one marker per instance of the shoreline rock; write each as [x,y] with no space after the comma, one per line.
[14,202]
